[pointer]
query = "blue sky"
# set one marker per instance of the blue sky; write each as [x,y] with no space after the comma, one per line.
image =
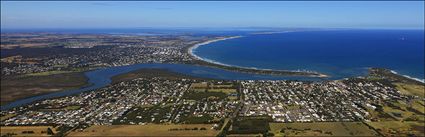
[317,14]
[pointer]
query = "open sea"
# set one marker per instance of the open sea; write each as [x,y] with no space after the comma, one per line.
[338,53]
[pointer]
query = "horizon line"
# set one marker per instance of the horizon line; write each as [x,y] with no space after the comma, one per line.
[251,27]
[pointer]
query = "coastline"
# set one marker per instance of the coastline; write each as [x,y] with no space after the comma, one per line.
[409,77]
[191,48]
[393,76]
[208,62]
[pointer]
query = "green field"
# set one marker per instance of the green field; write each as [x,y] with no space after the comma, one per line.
[222,86]
[227,91]
[396,128]
[48,73]
[53,72]
[151,73]
[152,114]
[22,131]
[404,112]
[200,85]
[71,107]
[18,87]
[197,120]
[205,90]
[205,86]
[200,95]
[411,89]
[172,130]
[250,125]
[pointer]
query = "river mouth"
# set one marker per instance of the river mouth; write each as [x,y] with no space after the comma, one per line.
[102,77]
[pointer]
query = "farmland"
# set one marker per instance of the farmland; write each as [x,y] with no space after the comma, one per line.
[18,87]
[27,130]
[396,128]
[149,130]
[411,89]
[321,129]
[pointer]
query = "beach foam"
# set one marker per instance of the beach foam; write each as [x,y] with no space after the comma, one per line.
[294,51]
[191,52]
[409,77]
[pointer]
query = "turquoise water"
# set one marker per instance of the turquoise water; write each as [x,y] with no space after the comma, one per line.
[338,53]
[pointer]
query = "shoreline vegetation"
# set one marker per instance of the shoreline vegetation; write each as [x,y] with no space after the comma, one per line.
[151,73]
[390,75]
[206,62]
[21,87]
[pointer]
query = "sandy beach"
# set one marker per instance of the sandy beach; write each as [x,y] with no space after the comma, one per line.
[192,48]
[409,77]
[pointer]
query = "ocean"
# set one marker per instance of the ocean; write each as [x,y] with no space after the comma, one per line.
[338,53]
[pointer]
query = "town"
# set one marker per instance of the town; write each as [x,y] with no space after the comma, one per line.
[37,53]
[71,52]
[197,106]
[186,101]
[139,101]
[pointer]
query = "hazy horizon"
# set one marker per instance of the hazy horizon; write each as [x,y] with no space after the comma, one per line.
[239,14]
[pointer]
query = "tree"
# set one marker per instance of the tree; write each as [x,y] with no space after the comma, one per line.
[50,131]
